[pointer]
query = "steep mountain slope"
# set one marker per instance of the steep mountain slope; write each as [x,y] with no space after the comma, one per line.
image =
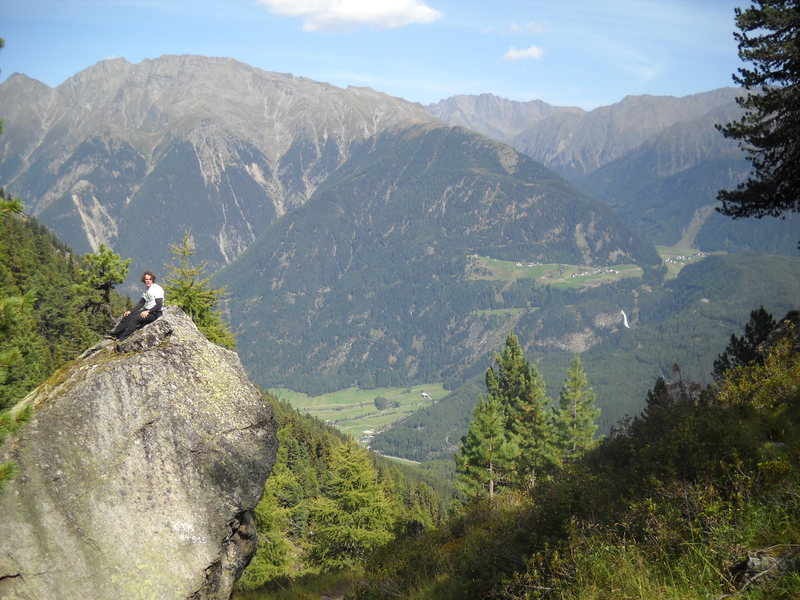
[658,161]
[369,283]
[666,189]
[572,141]
[132,155]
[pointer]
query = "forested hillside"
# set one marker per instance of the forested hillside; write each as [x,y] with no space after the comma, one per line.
[694,498]
[47,313]
[329,504]
[676,331]
[372,281]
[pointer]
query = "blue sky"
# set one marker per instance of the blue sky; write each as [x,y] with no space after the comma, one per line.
[585,53]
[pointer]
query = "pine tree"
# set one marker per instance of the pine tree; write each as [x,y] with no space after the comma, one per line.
[743,350]
[99,273]
[273,551]
[353,516]
[485,458]
[8,205]
[770,128]
[520,390]
[25,359]
[575,419]
[10,424]
[10,306]
[188,288]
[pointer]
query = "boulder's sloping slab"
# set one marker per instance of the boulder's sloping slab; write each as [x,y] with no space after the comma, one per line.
[138,473]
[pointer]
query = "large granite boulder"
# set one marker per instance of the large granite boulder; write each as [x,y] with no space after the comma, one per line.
[138,474]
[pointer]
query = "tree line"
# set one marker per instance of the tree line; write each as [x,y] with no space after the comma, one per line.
[516,436]
[330,503]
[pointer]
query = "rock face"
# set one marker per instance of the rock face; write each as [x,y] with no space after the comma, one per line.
[160,143]
[138,473]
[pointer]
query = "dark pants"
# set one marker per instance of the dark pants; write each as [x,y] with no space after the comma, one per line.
[132,322]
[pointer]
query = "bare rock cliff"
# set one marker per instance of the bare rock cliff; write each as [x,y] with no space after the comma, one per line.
[138,474]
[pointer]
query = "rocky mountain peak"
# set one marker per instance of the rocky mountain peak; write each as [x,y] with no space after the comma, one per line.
[572,141]
[120,147]
[139,472]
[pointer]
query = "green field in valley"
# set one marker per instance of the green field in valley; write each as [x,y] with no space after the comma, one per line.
[354,411]
[557,275]
[577,276]
[676,258]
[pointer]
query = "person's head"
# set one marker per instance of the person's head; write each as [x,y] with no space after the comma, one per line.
[148,278]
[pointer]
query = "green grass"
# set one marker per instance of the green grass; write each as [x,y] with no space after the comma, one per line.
[557,275]
[677,257]
[579,276]
[353,410]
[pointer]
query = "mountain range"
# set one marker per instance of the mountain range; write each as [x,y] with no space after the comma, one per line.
[376,269]
[355,231]
[658,161]
[120,153]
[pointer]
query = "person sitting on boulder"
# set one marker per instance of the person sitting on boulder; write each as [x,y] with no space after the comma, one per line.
[147,310]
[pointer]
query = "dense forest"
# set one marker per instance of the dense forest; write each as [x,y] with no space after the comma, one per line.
[51,307]
[330,503]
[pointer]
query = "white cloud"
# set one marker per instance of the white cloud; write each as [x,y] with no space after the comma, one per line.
[534,52]
[335,14]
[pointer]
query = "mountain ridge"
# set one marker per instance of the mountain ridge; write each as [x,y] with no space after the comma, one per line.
[391,233]
[566,139]
[277,135]
[658,160]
